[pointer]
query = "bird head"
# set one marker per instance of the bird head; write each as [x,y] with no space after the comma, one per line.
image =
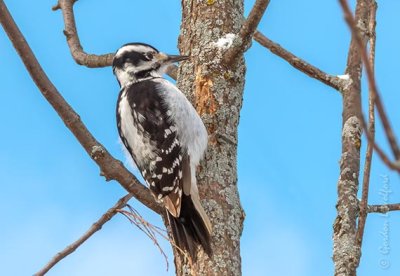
[134,62]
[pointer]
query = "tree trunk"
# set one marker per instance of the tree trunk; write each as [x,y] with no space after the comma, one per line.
[216,91]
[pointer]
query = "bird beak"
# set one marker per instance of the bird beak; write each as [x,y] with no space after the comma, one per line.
[164,58]
[175,58]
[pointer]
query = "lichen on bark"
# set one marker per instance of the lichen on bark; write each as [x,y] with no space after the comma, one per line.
[345,250]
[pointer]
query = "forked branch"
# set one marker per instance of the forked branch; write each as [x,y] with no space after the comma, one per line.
[246,32]
[371,81]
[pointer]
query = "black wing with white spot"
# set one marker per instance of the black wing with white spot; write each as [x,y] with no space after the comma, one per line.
[162,169]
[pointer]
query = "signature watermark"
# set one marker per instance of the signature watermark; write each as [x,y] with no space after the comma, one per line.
[384,248]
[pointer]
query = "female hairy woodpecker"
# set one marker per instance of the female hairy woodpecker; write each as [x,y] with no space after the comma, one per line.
[165,137]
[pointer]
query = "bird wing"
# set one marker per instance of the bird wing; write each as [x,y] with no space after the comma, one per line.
[163,169]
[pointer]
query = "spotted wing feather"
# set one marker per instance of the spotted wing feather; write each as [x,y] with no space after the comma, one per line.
[162,170]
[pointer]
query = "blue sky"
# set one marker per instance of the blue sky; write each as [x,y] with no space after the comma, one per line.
[289,143]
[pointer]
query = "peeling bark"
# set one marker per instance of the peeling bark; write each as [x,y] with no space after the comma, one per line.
[216,91]
[205,100]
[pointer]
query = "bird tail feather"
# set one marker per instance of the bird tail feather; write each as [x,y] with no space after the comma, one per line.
[191,227]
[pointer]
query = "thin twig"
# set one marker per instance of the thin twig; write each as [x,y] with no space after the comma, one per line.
[93,229]
[298,63]
[151,230]
[246,32]
[371,131]
[371,80]
[383,208]
[110,167]
[382,155]
[56,7]
[75,46]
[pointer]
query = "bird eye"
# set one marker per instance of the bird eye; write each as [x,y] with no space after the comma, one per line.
[150,55]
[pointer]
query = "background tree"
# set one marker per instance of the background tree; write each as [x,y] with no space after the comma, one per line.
[216,84]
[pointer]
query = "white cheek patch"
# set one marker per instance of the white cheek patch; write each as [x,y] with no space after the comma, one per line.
[128,74]
[143,66]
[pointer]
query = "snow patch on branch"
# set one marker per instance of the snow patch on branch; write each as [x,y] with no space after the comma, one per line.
[345,82]
[226,41]
[344,77]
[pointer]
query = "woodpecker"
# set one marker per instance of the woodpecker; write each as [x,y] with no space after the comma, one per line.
[166,139]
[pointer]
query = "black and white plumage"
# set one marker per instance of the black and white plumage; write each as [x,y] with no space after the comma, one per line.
[165,137]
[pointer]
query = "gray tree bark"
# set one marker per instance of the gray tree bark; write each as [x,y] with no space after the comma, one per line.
[346,251]
[216,91]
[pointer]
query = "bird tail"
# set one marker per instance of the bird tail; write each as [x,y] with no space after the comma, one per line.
[192,227]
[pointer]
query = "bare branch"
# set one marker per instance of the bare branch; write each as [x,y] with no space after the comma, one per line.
[298,63]
[74,44]
[246,32]
[93,229]
[371,80]
[77,52]
[371,132]
[383,208]
[55,7]
[346,253]
[109,166]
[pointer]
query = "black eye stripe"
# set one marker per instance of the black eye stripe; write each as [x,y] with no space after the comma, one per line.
[133,58]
